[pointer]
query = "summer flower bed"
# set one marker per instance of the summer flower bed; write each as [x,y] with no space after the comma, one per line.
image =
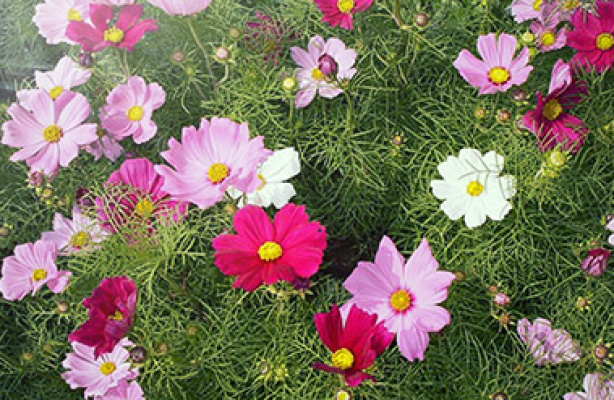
[308,199]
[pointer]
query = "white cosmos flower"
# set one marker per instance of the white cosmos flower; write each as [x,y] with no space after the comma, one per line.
[279,167]
[473,188]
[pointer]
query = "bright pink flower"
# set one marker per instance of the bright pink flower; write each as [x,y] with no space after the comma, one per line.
[136,194]
[547,345]
[111,311]
[322,69]
[499,71]
[80,234]
[217,155]
[596,387]
[264,253]
[53,16]
[524,10]
[129,110]
[126,32]
[181,7]
[32,266]
[123,391]
[545,29]
[339,12]
[98,374]
[107,145]
[355,342]
[549,120]
[596,261]
[49,135]
[404,297]
[593,37]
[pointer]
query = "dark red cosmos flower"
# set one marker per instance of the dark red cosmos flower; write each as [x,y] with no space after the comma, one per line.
[593,37]
[111,311]
[355,344]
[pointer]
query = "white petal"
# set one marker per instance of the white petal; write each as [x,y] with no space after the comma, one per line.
[282,165]
[475,215]
[447,189]
[494,161]
[455,207]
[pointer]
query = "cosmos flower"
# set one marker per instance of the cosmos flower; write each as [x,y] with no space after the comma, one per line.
[181,7]
[610,226]
[76,235]
[596,387]
[596,261]
[593,37]
[53,16]
[123,391]
[500,70]
[264,253]
[107,145]
[547,36]
[524,10]
[340,12]
[547,345]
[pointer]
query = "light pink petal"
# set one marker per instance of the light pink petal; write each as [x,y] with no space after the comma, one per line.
[412,343]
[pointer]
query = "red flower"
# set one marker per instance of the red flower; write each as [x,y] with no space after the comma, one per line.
[354,344]
[339,12]
[111,310]
[593,37]
[263,252]
[596,261]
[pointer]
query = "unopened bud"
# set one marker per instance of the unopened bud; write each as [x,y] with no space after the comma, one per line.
[222,54]
[86,60]
[421,20]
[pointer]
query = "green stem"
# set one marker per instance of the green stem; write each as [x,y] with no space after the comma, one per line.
[225,77]
[123,62]
[201,47]
[397,13]
[350,112]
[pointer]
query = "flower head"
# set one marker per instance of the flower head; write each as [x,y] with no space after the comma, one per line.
[53,16]
[340,12]
[596,387]
[76,235]
[181,7]
[123,391]
[547,345]
[107,145]
[500,70]
[32,266]
[593,37]
[524,10]
[354,339]
[547,36]
[264,253]
[596,261]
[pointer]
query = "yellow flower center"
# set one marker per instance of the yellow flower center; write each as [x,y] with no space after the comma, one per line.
[498,75]
[552,110]
[317,74]
[263,182]
[345,6]
[38,274]
[400,300]
[113,35]
[107,368]
[537,5]
[570,5]
[144,208]
[116,316]
[73,15]
[605,41]
[343,359]
[80,239]
[217,172]
[52,133]
[270,251]
[475,188]
[548,39]
[56,92]
[135,113]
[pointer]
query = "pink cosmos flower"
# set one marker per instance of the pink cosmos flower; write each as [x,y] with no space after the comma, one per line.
[405,297]
[339,12]
[549,121]
[125,34]
[53,16]
[66,75]
[98,374]
[129,110]
[80,234]
[264,253]
[596,261]
[107,145]
[596,387]
[610,226]
[115,2]
[322,69]
[524,10]
[547,345]
[593,37]
[545,29]
[499,71]
[123,391]
[32,266]
[181,7]
[210,159]
[49,135]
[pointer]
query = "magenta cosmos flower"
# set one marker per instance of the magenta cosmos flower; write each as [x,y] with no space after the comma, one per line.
[96,374]
[126,32]
[32,266]
[549,120]
[129,110]
[355,342]
[323,67]
[547,345]
[339,12]
[136,195]
[76,235]
[596,387]
[53,16]
[123,391]
[405,297]
[49,135]
[593,37]
[500,70]
[264,253]
[181,7]
[217,155]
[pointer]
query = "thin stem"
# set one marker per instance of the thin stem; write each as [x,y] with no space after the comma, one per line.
[350,112]
[123,62]
[201,47]
[225,77]
[397,13]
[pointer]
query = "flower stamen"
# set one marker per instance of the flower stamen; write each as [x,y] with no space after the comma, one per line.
[270,251]
[217,172]
[38,274]
[498,75]
[475,188]
[52,133]
[343,359]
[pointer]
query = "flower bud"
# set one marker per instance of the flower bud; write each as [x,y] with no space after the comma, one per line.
[234,33]
[62,307]
[397,140]
[480,112]
[36,179]
[82,197]
[421,20]
[596,261]
[582,303]
[301,283]
[499,396]
[343,395]
[494,289]
[5,231]
[503,116]
[178,56]
[601,352]
[222,54]
[86,60]
[459,276]
[519,94]
[327,65]
[501,299]
[138,354]
[289,84]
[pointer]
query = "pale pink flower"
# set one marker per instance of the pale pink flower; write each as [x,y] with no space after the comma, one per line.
[53,16]
[524,10]
[115,2]
[181,7]
[98,375]
[547,36]
[50,135]
[217,155]
[323,67]
[499,71]
[32,266]
[107,145]
[129,110]
[123,391]
[610,226]
[596,387]
[405,297]
[76,235]
[547,345]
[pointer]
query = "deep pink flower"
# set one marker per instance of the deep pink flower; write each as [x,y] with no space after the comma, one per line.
[181,7]
[499,71]
[547,345]
[50,134]
[339,12]
[264,253]
[32,266]
[596,261]
[596,387]
[126,32]
[76,235]
[123,391]
[355,342]
[111,311]
[267,36]
[129,110]
[210,159]
[593,37]
[404,297]
[53,16]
